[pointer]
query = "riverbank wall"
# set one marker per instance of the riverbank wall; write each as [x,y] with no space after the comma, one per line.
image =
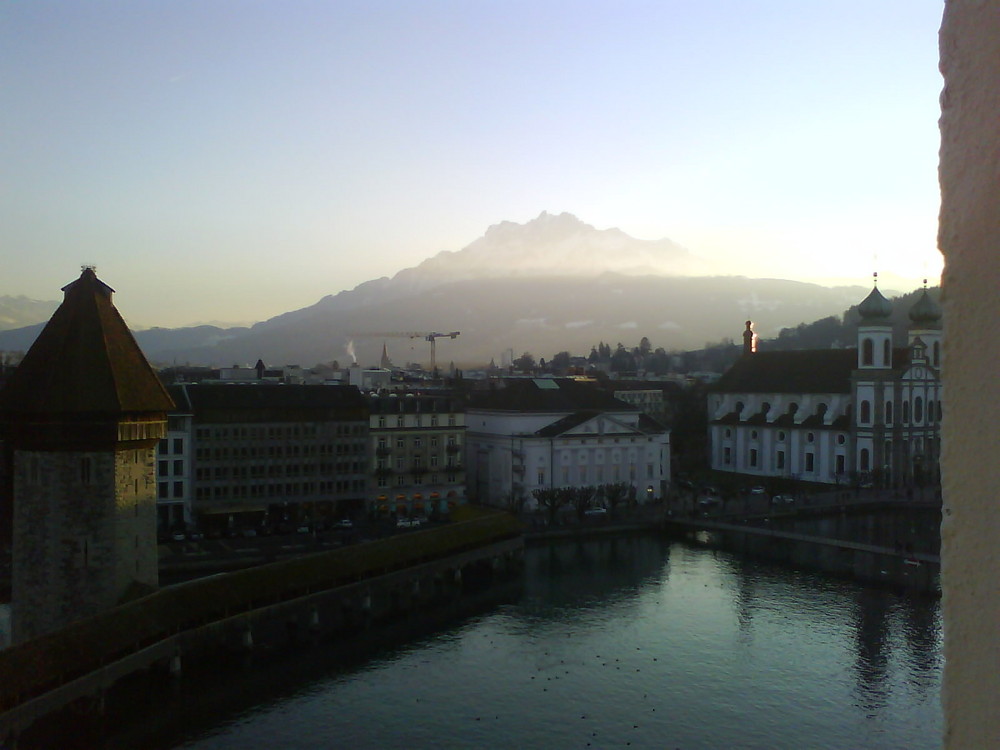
[338,594]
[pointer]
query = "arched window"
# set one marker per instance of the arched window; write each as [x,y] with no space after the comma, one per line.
[918,410]
[866,412]
[938,411]
[888,412]
[936,360]
[887,353]
[865,460]
[930,412]
[906,412]
[868,352]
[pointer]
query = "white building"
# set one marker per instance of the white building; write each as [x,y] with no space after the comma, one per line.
[830,416]
[544,434]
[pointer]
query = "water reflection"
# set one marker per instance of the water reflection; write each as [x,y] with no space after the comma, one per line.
[634,642]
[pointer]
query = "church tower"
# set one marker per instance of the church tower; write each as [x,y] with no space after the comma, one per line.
[81,418]
[875,331]
[925,325]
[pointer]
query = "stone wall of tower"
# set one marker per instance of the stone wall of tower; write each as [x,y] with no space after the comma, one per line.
[86,534]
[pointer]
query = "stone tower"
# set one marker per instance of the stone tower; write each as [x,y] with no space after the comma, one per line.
[81,418]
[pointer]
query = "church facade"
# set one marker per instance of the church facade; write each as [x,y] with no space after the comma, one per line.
[867,415]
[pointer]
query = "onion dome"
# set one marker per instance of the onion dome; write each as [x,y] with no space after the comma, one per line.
[925,312]
[875,307]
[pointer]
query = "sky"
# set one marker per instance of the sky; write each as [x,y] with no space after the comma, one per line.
[230,160]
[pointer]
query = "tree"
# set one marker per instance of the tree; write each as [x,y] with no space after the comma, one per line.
[614,494]
[525,363]
[553,499]
[644,346]
[582,497]
[560,362]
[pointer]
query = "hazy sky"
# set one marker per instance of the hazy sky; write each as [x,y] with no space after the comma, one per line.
[232,160]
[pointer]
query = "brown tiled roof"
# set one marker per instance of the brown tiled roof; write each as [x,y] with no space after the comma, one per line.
[812,371]
[84,361]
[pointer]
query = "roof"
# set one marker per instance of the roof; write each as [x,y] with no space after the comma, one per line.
[554,395]
[647,425]
[84,361]
[258,402]
[809,371]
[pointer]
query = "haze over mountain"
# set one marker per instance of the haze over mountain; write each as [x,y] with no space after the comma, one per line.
[551,284]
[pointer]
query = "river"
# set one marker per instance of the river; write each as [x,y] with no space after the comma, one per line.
[629,642]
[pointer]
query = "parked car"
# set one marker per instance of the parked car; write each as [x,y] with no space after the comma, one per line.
[344,523]
[758,490]
[596,512]
[303,530]
[179,536]
[782,500]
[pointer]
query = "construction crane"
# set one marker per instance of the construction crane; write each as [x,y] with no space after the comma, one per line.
[431,336]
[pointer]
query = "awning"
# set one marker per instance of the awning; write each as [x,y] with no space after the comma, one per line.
[435,495]
[400,497]
[417,496]
[382,498]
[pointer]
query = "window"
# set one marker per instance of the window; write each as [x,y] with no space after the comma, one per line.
[906,412]
[936,359]
[381,421]
[810,460]
[866,412]
[541,476]
[162,490]
[178,468]
[178,489]
[781,437]
[178,445]
[163,447]
[841,439]
[886,353]
[779,460]
[840,464]
[888,412]
[918,410]
[865,460]
[161,468]
[867,353]
[726,455]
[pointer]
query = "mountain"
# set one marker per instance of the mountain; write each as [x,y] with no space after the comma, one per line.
[18,312]
[552,284]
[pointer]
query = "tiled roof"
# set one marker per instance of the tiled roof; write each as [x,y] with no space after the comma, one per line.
[272,402]
[85,361]
[813,371]
[566,396]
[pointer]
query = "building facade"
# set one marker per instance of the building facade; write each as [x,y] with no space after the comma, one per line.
[542,434]
[243,455]
[868,415]
[416,454]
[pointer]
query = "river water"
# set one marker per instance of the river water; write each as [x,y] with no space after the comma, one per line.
[629,642]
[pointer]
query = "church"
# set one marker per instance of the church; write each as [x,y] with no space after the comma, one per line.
[869,415]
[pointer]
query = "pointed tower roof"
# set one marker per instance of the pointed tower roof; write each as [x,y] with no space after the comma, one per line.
[85,361]
[385,363]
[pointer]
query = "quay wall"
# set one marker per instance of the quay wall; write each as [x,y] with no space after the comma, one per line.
[341,592]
